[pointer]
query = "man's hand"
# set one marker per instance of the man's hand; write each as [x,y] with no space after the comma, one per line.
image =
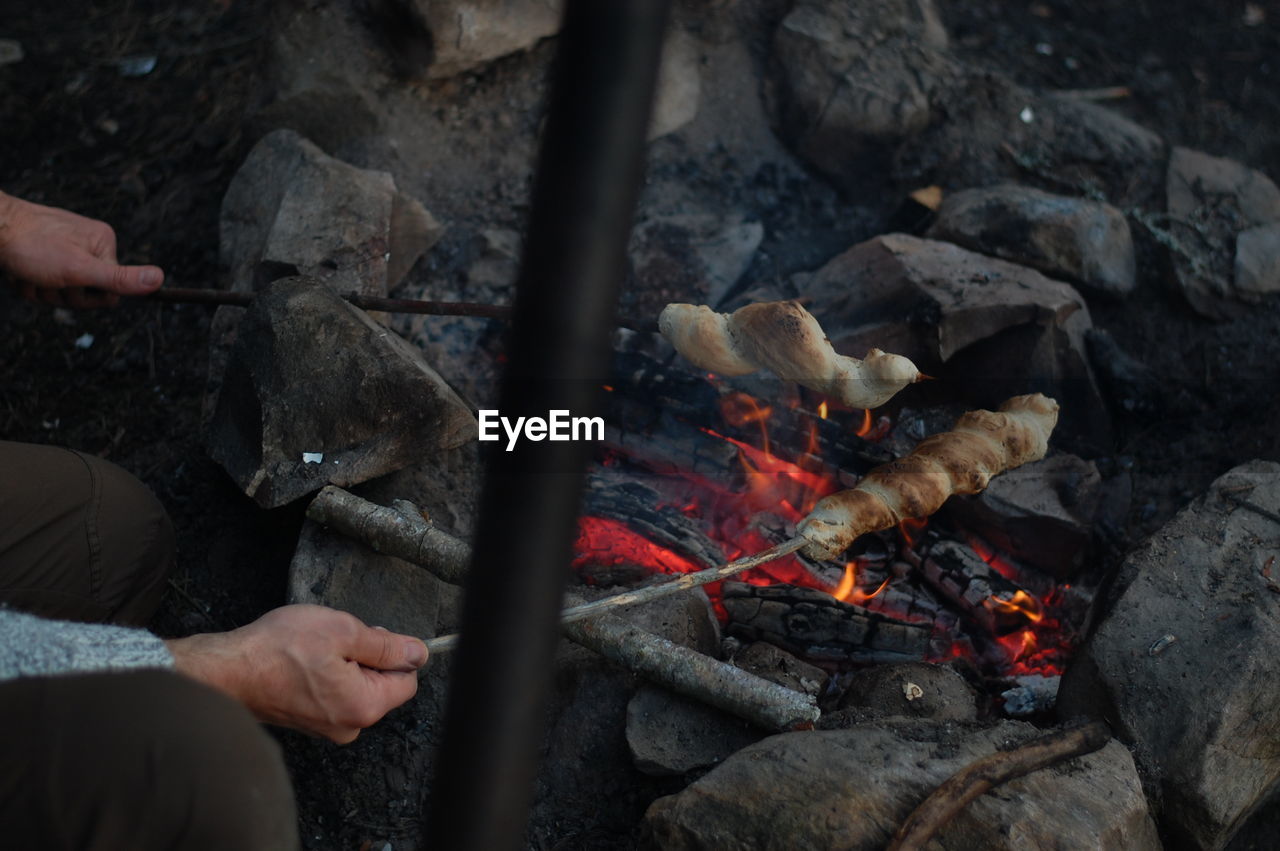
[64,259]
[314,669]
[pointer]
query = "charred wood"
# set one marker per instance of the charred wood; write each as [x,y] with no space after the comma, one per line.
[999,605]
[819,627]
[647,512]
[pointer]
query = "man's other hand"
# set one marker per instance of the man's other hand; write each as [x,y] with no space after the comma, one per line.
[67,260]
[311,668]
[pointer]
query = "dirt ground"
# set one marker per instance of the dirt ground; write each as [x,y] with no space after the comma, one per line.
[152,154]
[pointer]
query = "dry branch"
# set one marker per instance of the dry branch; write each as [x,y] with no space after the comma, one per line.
[396,531]
[688,672]
[684,582]
[946,802]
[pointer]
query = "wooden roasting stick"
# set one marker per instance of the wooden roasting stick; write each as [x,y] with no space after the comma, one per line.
[216,298]
[963,787]
[684,582]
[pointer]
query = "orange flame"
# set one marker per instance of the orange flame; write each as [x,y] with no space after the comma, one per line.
[844,590]
[822,409]
[1021,603]
[910,529]
[848,592]
[865,428]
[739,409]
[1021,645]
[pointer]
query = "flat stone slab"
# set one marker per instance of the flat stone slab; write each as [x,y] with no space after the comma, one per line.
[852,788]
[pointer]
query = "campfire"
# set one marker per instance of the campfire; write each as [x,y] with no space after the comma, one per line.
[855,540]
[960,600]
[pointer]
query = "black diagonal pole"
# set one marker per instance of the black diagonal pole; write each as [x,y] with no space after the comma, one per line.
[587,181]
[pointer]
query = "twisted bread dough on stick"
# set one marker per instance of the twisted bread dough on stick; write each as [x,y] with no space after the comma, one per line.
[982,444]
[783,337]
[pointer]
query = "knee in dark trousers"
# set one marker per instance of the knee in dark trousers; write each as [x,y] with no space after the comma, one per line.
[80,538]
[138,760]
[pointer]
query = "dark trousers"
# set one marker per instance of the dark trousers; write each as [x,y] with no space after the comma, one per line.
[139,760]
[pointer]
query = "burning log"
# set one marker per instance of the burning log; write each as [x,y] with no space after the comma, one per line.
[819,627]
[965,786]
[999,605]
[982,444]
[643,509]
[399,531]
[690,673]
[784,338]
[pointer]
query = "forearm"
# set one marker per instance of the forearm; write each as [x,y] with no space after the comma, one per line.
[31,646]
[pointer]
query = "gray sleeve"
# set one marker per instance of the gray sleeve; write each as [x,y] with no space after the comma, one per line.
[31,646]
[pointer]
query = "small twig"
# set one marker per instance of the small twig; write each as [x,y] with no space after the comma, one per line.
[178,295]
[573,614]
[971,782]
[1232,496]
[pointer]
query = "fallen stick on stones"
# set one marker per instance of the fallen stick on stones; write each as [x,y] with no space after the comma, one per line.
[971,782]
[399,531]
[693,674]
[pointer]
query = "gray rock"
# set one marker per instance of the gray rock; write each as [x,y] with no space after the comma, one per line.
[316,392]
[852,788]
[827,52]
[915,690]
[669,734]
[1211,201]
[685,619]
[467,34]
[772,663]
[1184,666]
[1040,514]
[928,118]
[991,328]
[1257,270]
[686,257]
[329,569]
[675,103]
[292,209]
[1071,239]
[994,130]
[1196,178]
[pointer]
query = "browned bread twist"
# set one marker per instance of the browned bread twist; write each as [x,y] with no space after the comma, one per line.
[981,445]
